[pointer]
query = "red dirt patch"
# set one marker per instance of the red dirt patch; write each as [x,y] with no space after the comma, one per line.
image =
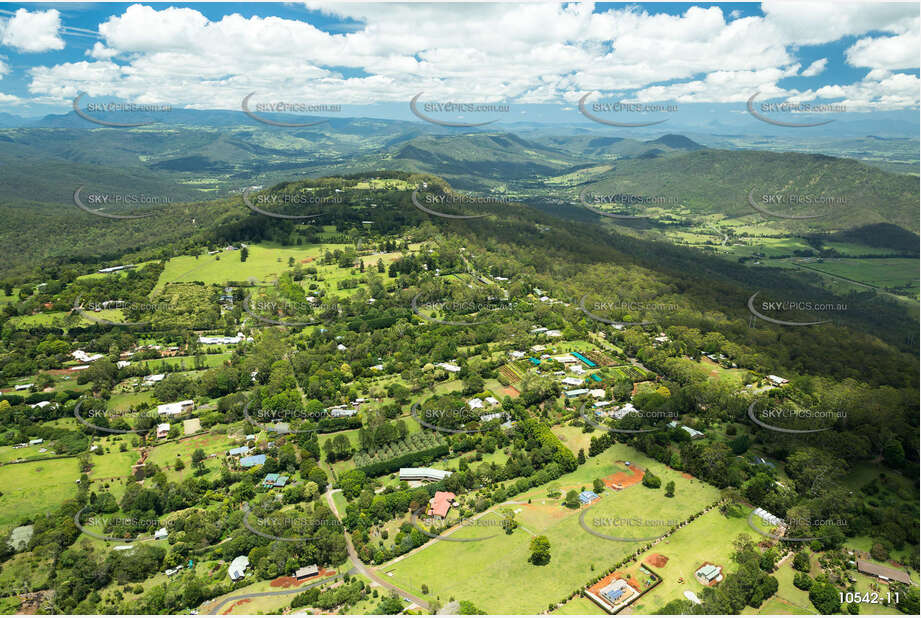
[233,605]
[307,260]
[656,560]
[685,475]
[622,480]
[284,582]
[511,391]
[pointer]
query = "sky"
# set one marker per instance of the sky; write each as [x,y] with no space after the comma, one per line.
[862,56]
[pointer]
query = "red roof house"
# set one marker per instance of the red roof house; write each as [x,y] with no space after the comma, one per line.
[441,503]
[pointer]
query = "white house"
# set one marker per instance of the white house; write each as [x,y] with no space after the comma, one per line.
[153,379]
[449,367]
[22,387]
[475,404]
[492,401]
[162,430]
[572,381]
[777,380]
[597,393]
[237,568]
[83,357]
[176,408]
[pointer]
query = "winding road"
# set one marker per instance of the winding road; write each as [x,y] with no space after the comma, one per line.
[274,593]
[365,569]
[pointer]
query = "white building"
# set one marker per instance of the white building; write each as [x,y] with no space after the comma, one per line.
[492,401]
[153,379]
[475,404]
[83,357]
[237,568]
[423,474]
[777,380]
[176,408]
[572,381]
[449,367]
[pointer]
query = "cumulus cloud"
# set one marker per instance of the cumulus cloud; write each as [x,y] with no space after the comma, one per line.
[528,53]
[816,68]
[37,31]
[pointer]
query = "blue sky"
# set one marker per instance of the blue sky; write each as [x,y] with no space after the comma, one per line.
[373,58]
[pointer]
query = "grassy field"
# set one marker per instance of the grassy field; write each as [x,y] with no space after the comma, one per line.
[878,272]
[573,437]
[167,454]
[496,571]
[707,539]
[32,488]
[579,606]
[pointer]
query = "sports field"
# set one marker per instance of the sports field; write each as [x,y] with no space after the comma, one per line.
[496,571]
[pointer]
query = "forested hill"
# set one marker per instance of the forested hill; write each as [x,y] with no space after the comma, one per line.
[568,259]
[719,182]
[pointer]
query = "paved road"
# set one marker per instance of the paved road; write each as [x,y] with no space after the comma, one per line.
[365,569]
[275,593]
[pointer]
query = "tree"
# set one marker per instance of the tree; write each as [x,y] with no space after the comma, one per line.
[581,457]
[651,480]
[670,489]
[469,609]
[801,561]
[824,597]
[540,550]
[802,581]
[598,486]
[389,606]
[198,459]
[572,499]
[244,253]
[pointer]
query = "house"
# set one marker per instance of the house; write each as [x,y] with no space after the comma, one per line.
[274,480]
[162,430]
[623,411]
[41,405]
[449,367]
[587,496]
[553,333]
[540,329]
[122,364]
[35,441]
[153,379]
[690,431]
[575,393]
[23,387]
[161,534]
[176,408]
[341,348]
[566,359]
[709,573]
[423,474]
[597,393]
[490,417]
[378,367]
[252,460]
[572,381]
[601,404]
[492,401]
[342,412]
[306,572]
[475,404]
[767,517]
[83,357]
[516,354]
[777,380]
[576,369]
[113,269]
[237,568]
[661,339]
[538,348]
[884,573]
[223,340]
[441,504]
[238,451]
